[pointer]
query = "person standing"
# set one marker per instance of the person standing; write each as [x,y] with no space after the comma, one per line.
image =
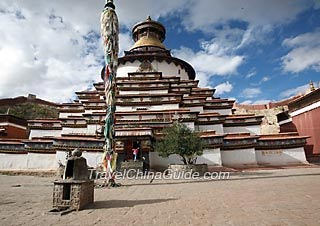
[135,153]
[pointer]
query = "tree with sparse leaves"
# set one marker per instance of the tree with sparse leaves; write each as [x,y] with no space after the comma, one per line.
[180,140]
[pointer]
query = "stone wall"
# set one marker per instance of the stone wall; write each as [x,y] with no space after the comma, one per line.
[269,122]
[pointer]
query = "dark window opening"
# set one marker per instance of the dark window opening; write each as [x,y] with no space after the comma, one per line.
[69,169]
[66,193]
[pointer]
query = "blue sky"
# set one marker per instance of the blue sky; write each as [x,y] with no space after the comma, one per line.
[254,51]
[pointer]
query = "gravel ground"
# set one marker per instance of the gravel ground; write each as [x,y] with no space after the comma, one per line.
[256,197]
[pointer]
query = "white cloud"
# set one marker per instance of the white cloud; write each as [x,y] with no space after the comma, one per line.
[294,91]
[257,17]
[265,79]
[47,49]
[216,58]
[250,102]
[246,102]
[226,39]
[262,80]
[222,88]
[131,12]
[251,92]
[303,39]
[232,98]
[203,14]
[261,101]
[196,14]
[53,46]
[251,73]
[125,42]
[304,54]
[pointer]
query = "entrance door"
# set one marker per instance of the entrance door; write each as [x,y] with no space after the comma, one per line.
[128,149]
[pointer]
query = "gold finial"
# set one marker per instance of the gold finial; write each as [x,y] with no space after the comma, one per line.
[312,86]
[148,33]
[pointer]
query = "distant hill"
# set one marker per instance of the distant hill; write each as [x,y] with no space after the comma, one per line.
[28,107]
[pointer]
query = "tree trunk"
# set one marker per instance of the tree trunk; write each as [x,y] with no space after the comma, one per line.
[185,160]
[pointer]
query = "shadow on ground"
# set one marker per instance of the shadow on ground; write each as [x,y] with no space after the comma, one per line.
[246,176]
[125,203]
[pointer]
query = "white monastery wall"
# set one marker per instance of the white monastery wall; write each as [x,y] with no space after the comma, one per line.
[92,128]
[158,162]
[150,107]
[13,161]
[166,69]
[90,111]
[44,133]
[216,127]
[66,114]
[210,157]
[122,92]
[61,156]
[196,108]
[94,159]
[190,125]
[279,157]
[238,157]
[220,111]
[69,130]
[253,130]
[42,161]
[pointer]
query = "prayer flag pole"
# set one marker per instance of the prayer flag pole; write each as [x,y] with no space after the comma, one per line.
[110,37]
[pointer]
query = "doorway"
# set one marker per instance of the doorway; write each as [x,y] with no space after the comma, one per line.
[129,146]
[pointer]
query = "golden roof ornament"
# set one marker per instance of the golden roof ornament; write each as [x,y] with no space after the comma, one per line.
[148,33]
[312,86]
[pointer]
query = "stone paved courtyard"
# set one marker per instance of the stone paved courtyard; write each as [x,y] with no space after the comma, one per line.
[264,197]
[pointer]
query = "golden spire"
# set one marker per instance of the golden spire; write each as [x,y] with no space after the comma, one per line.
[312,86]
[148,33]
